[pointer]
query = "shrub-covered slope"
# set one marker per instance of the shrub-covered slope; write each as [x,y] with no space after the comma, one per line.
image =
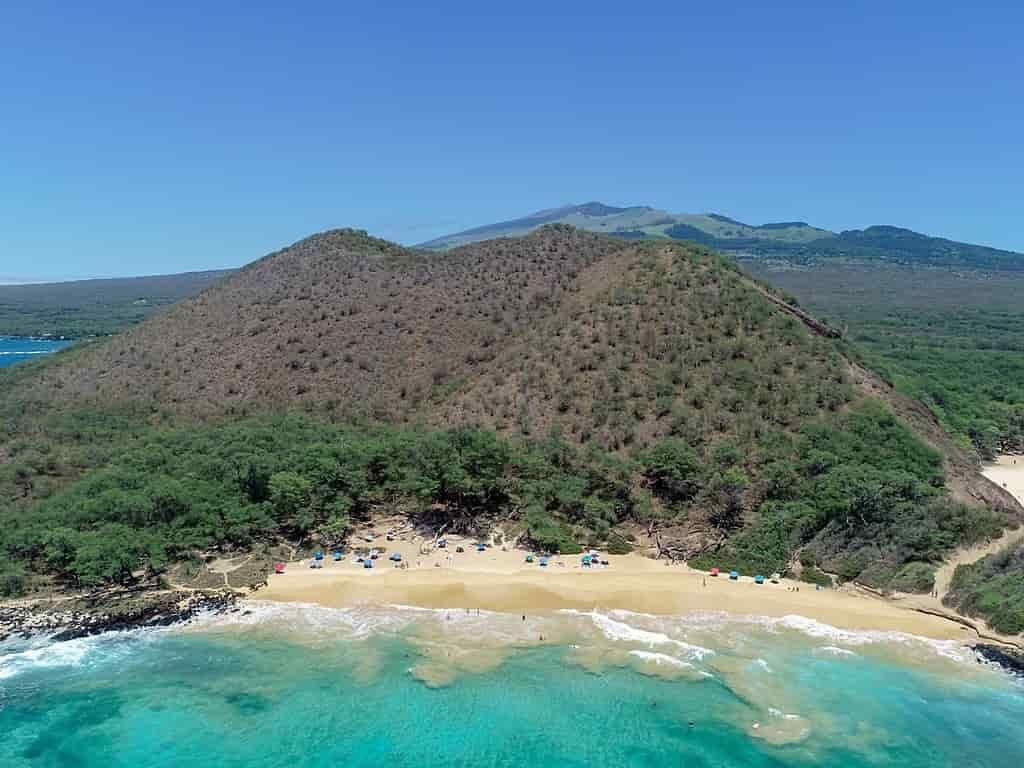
[578,387]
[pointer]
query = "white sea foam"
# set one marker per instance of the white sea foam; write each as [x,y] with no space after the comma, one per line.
[647,630]
[617,630]
[355,622]
[836,637]
[784,715]
[43,653]
[836,650]
[661,658]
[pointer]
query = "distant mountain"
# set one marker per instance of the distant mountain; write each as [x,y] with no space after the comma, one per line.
[795,242]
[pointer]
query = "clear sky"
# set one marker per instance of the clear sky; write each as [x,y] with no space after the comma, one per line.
[144,138]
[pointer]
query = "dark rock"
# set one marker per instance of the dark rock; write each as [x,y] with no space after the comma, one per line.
[1010,660]
[110,612]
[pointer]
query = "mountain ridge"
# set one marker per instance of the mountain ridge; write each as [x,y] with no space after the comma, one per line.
[796,242]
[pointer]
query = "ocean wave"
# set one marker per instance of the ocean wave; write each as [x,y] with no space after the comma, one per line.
[836,650]
[615,629]
[684,634]
[661,658]
[720,622]
[357,622]
[45,653]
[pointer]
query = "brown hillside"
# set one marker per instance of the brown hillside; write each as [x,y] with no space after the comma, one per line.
[339,321]
[609,341]
[606,339]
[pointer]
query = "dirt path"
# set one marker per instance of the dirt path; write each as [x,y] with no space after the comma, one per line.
[944,574]
[968,555]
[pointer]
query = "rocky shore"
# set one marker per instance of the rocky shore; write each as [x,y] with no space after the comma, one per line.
[69,618]
[1010,660]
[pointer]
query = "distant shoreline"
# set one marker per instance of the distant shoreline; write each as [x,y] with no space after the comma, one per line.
[20,337]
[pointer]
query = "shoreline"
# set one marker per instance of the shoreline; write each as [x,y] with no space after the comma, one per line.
[501,581]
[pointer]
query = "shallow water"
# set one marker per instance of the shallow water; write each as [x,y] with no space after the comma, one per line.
[284,684]
[15,349]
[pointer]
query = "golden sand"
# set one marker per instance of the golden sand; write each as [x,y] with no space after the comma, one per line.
[502,581]
[1008,472]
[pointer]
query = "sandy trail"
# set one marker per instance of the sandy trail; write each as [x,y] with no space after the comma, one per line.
[944,574]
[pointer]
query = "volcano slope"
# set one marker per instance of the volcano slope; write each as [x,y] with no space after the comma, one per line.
[573,388]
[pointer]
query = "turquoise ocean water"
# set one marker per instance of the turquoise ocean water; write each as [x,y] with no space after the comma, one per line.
[14,349]
[297,685]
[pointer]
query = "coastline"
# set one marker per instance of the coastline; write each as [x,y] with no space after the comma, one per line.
[502,582]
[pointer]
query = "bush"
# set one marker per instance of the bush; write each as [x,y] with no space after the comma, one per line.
[914,577]
[12,581]
[815,575]
[617,545]
[673,468]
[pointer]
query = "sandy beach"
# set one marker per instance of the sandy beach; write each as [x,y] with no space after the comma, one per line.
[503,581]
[500,579]
[1008,472]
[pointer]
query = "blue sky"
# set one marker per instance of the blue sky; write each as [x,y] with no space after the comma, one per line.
[143,140]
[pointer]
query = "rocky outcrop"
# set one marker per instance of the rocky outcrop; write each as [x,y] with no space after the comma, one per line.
[68,618]
[1010,660]
[682,542]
